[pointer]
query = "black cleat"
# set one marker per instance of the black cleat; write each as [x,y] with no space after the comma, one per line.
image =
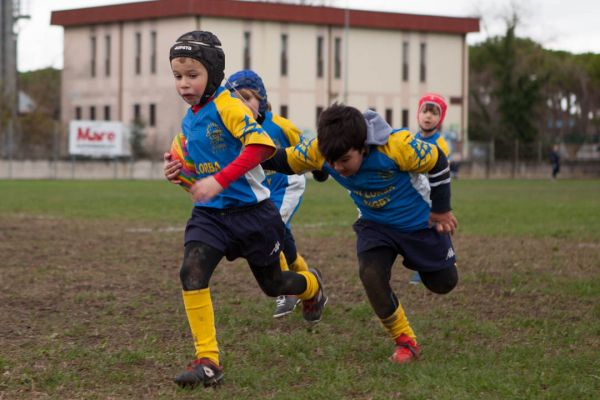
[200,371]
[313,308]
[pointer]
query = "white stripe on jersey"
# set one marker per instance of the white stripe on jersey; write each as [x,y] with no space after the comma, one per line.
[421,185]
[291,198]
[254,177]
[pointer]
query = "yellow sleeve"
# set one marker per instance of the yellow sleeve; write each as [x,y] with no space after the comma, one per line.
[442,144]
[305,156]
[238,120]
[291,132]
[410,153]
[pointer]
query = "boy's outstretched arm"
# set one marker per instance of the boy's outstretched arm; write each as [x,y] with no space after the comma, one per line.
[278,163]
[439,180]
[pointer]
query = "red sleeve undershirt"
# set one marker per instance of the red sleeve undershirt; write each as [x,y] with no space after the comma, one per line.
[252,155]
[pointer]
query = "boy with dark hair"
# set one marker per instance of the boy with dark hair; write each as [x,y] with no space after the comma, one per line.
[401,210]
[232,216]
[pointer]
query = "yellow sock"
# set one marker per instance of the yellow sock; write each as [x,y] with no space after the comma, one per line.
[200,315]
[312,285]
[283,262]
[299,264]
[397,324]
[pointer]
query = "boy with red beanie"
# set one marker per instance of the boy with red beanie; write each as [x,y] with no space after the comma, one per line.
[431,114]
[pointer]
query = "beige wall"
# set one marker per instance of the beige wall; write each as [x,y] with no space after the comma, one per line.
[374,71]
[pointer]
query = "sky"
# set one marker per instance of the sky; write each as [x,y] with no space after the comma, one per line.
[557,24]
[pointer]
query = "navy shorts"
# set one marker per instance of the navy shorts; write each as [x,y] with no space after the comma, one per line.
[253,232]
[424,250]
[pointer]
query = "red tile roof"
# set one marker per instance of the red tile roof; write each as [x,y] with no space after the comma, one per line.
[262,11]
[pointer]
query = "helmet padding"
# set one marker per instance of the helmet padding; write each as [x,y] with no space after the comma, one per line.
[204,47]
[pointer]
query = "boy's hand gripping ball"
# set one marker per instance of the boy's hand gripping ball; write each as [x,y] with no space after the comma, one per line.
[179,152]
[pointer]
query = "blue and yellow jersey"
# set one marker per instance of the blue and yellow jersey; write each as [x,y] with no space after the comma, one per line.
[436,139]
[286,190]
[215,136]
[390,187]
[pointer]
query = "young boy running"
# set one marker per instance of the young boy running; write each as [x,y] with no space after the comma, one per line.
[401,210]
[232,215]
[286,190]
[431,114]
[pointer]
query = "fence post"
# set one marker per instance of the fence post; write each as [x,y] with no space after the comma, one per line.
[490,158]
[55,150]
[9,147]
[515,160]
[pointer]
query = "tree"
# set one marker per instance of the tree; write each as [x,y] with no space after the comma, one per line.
[505,90]
[33,132]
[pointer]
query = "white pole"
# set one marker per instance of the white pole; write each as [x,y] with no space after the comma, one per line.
[346,35]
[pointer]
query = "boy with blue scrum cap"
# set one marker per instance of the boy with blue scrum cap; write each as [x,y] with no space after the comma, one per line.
[232,215]
[286,190]
[401,210]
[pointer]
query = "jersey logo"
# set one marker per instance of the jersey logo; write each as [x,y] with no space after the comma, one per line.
[215,136]
[385,175]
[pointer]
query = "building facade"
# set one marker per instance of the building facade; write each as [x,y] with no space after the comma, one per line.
[116,61]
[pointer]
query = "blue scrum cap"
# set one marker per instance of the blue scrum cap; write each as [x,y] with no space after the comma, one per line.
[248,79]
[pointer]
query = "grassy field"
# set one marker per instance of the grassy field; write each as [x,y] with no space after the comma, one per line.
[90,303]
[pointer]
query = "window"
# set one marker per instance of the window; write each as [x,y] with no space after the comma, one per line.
[284,55]
[404,118]
[319,112]
[107,46]
[138,53]
[152,116]
[107,113]
[153,52]
[247,50]
[93,56]
[137,115]
[283,111]
[388,116]
[319,56]
[337,62]
[92,113]
[405,61]
[423,63]
[77,112]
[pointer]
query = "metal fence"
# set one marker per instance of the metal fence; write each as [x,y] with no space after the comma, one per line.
[46,157]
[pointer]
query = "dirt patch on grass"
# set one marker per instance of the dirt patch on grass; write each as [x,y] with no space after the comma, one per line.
[82,302]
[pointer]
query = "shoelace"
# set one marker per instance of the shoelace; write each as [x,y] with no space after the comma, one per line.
[408,346]
[280,301]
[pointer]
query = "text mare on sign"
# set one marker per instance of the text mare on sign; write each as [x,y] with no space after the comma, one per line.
[99,138]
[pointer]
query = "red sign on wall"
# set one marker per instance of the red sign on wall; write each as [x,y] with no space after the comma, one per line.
[98,138]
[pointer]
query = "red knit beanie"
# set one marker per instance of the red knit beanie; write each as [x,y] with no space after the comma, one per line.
[437,100]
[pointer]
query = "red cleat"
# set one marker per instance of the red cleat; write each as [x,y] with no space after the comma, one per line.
[407,350]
